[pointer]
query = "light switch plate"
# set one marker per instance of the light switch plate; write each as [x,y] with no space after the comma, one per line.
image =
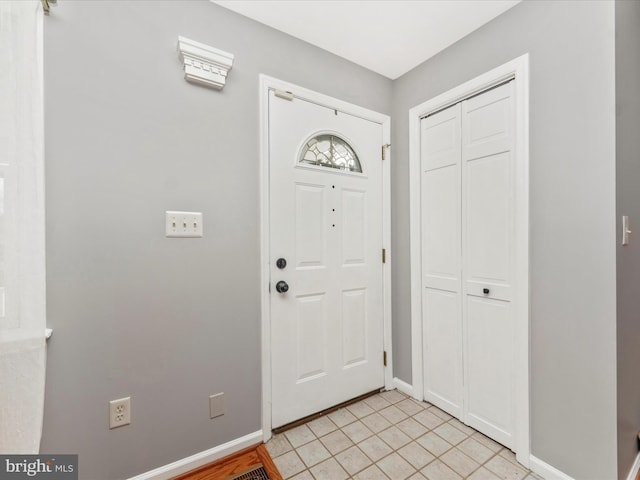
[216,405]
[625,230]
[183,224]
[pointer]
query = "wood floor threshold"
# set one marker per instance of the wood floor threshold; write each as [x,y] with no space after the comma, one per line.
[235,464]
[313,416]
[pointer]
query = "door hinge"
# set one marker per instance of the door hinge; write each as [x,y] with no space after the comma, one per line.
[384,150]
[384,255]
[384,358]
[283,94]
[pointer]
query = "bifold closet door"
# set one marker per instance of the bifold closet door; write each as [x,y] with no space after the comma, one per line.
[487,262]
[467,195]
[441,282]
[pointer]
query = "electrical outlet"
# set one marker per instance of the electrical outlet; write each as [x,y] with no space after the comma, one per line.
[216,405]
[119,412]
[183,224]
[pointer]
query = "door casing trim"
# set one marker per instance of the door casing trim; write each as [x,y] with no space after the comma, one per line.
[517,69]
[269,83]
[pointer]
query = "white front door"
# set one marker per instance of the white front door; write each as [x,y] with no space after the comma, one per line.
[468,189]
[326,230]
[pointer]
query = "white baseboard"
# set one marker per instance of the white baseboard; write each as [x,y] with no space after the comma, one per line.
[545,470]
[199,459]
[633,473]
[402,386]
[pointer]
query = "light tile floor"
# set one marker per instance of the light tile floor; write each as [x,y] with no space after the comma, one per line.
[391,436]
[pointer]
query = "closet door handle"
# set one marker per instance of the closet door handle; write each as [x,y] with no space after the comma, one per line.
[485,291]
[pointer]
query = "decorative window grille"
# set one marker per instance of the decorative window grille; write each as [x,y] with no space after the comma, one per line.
[330,151]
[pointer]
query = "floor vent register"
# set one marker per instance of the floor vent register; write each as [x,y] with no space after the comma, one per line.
[255,473]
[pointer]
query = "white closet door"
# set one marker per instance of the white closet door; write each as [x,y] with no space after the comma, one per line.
[441,283]
[468,261]
[487,262]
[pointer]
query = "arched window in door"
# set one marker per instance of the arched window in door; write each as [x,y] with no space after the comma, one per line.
[328,150]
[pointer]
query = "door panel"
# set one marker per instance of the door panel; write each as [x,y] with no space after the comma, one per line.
[441,218]
[440,146]
[488,123]
[442,334]
[488,224]
[353,227]
[354,326]
[327,329]
[442,322]
[487,262]
[488,351]
[311,241]
[311,326]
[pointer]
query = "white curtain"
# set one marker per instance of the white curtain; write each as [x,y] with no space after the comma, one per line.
[22,248]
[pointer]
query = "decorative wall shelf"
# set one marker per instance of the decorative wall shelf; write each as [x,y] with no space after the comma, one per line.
[203,64]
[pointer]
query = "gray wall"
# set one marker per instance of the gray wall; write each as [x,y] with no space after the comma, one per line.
[628,203]
[171,321]
[572,194]
[167,321]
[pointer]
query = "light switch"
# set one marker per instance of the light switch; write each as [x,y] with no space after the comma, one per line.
[216,405]
[626,232]
[183,224]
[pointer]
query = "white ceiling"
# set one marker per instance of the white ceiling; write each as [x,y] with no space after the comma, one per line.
[386,36]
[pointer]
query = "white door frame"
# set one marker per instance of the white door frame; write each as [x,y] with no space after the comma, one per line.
[517,69]
[266,84]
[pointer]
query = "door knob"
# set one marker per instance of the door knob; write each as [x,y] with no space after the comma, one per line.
[281,263]
[282,286]
[485,291]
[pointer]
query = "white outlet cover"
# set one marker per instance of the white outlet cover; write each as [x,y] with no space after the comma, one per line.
[119,412]
[183,224]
